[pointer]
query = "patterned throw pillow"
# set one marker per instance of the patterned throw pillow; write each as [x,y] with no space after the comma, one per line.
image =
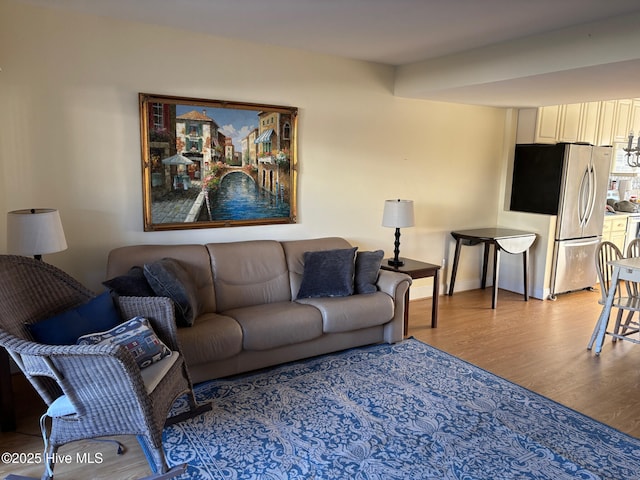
[137,336]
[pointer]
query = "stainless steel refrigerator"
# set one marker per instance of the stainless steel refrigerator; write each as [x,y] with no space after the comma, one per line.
[570,181]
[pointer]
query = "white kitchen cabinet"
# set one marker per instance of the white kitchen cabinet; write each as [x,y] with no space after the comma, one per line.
[614,230]
[539,125]
[576,122]
[570,122]
[589,118]
[597,123]
[622,122]
[606,119]
[635,118]
[548,124]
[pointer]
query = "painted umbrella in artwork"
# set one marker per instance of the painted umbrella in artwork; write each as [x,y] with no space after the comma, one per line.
[177,160]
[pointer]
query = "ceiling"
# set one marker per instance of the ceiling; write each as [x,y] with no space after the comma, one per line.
[425,39]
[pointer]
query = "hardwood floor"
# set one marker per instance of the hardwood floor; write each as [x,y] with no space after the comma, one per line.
[539,345]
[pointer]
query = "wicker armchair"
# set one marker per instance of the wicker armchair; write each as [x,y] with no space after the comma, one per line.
[91,390]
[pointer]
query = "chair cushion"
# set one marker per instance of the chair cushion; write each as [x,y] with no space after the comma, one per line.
[153,374]
[133,284]
[169,279]
[64,329]
[367,270]
[61,407]
[137,336]
[328,273]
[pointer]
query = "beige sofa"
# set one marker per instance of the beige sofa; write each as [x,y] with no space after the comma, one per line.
[248,316]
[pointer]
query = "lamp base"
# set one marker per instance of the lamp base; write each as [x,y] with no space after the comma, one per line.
[395,263]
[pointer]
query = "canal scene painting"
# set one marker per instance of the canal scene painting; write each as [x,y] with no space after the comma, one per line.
[214,163]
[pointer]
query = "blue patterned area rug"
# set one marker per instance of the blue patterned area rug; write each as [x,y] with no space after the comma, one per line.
[403,411]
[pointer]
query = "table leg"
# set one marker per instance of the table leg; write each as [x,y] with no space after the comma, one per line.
[434,300]
[406,313]
[454,269]
[496,264]
[525,264]
[485,263]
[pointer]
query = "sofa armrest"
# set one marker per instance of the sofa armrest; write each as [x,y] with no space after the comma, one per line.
[396,286]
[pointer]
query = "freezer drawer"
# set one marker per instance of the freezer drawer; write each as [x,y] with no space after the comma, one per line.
[574,265]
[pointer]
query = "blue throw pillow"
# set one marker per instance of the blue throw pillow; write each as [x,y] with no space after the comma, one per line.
[64,329]
[137,336]
[328,273]
[367,270]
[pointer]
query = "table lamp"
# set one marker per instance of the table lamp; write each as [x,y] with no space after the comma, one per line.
[397,214]
[35,231]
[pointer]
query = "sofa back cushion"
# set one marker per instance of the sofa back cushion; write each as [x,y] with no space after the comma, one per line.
[294,253]
[194,259]
[249,273]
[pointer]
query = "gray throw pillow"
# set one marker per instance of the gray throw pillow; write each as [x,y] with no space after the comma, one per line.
[328,273]
[367,269]
[170,279]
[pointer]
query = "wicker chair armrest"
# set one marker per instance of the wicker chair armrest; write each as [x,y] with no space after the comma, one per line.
[27,347]
[160,312]
[72,366]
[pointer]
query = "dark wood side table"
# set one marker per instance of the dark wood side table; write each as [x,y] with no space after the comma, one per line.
[416,269]
[502,239]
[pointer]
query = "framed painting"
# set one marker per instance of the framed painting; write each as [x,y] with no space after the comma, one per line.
[216,163]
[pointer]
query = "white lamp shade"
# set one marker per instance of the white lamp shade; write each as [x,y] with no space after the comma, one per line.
[35,232]
[398,213]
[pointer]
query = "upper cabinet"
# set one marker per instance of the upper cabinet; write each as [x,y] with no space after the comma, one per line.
[606,120]
[597,123]
[539,125]
[622,122]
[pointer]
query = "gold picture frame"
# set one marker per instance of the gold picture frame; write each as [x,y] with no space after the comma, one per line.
[216,163]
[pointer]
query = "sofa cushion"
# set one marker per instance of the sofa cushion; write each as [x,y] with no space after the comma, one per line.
[343,314]
[367,270]
[328,273]
[97,314]
[169,279]
[214,337]
[249,273]
[137,336]
[277,324]
[133,284]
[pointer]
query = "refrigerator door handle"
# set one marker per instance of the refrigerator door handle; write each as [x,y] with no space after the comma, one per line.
[582,243]
[592,194]
[583,197]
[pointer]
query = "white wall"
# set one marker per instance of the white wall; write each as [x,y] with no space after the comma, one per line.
[69,138]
